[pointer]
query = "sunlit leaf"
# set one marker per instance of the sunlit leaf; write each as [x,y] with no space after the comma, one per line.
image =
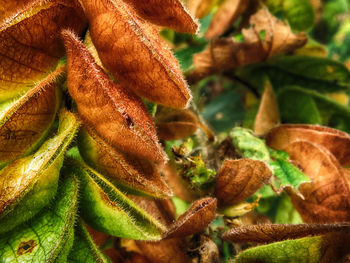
[24,122]
[108,210]
[84,249]
[337,142]
[116,114]
[48,237]
[129,172]
[29,183]
[167,13]
[137,57]
[30,45]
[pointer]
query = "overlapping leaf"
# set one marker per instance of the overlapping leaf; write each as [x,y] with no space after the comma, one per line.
[174,124]
[108,210]
[29,43]
[127,171]
[132,51]
[48,237]
[25,121]
[167,13]
[266,37]
[29,183]
[116,114]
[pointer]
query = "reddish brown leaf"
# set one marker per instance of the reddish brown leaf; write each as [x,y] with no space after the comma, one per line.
[117,115]
[267,233]
[226,15]
[133,52]
[337,142]
[195,219]
[200,8]
[268,113]
[327,198]
[10,8]
[26,121]
[239,179]
[174,124]
[30,43]
[169,13]
[224,54]
[126,170]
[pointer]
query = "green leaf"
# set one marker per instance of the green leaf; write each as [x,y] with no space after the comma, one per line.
[327,108]
[108,210]
[84,249]
[48,237]
[286,214]
[224,111]
[299,13]
[248,145]
[29,183]
[301,250]
[321,74]
[287,173]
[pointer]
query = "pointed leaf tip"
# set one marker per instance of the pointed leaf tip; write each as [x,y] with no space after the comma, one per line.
[116,114]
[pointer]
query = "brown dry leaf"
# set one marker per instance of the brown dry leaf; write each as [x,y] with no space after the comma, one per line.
[268,233]
[127,171]
[27,120]
[30,45]
[195,219]
[226,53]
[200,8]
[165,251]
[225,16]
[327,197]
[337,142]
[168,13]
[268,114]
[133,52]
[117,115]
[174,124]
[9,8]
[239,179]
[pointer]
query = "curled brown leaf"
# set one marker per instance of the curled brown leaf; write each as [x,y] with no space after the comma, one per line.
[127,171]
[30,45]
[337,142]
[133,52]
[28,119]
[239,179]
[327,197]
[174,124]
[116,114]
[267,233]
[195,219]
[169,13]
[226,53]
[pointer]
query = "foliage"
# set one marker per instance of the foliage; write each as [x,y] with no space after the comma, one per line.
[217,130]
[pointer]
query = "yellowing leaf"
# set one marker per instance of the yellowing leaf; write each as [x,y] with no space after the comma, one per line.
[29,183]
[169,13]
[108,210]
[30,45]
[116,114]
[25,121]
[49,236]
[135,175]
[133,52]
